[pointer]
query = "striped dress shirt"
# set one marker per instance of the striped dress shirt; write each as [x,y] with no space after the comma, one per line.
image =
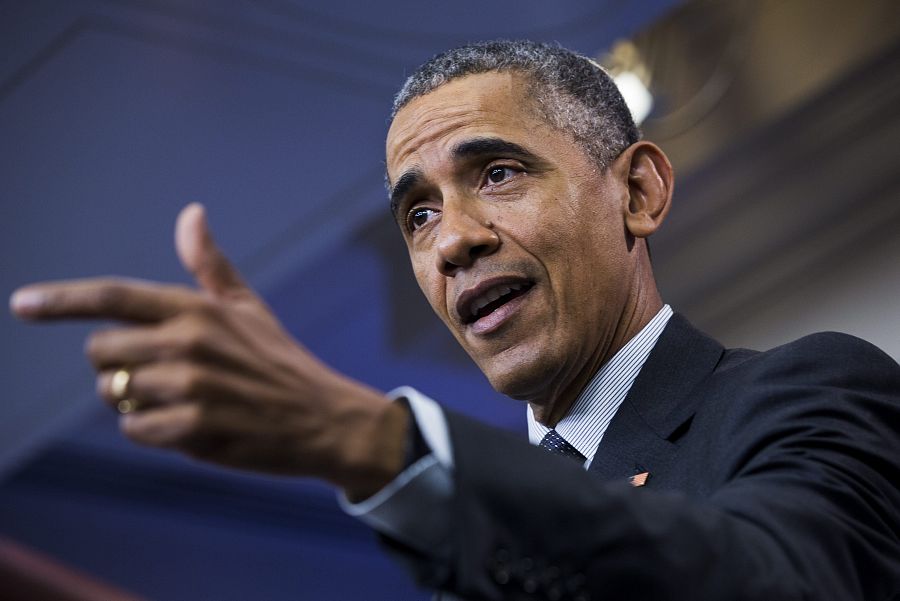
[415,507]
[586,422]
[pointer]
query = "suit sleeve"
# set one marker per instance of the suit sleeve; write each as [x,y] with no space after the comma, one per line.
[796,498]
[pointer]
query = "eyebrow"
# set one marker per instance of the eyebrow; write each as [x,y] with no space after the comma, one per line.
[491,146]
[465,150]
[407,182]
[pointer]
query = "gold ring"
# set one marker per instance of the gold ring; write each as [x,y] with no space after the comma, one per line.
[118,387]
[126,406]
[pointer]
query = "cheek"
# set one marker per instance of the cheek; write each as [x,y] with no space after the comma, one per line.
[432,285]
[582,260]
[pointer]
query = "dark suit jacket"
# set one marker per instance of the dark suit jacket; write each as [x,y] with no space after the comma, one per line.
[773,476]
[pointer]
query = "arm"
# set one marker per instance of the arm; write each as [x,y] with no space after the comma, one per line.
[216,376]
[798,466]
[804,505]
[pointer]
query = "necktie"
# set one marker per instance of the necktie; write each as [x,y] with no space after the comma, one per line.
[555,443]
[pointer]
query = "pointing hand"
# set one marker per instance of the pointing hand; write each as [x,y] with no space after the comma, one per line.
[211,372]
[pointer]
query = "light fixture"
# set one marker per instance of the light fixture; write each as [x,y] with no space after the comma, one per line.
[632,77]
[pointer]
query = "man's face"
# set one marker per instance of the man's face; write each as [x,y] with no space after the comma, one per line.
[516,237]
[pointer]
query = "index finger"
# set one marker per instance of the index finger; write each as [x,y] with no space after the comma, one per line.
[102,298]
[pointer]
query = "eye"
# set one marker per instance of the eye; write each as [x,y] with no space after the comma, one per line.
[497,175]
[418,217]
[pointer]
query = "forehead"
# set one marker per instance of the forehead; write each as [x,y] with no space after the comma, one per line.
[484,104]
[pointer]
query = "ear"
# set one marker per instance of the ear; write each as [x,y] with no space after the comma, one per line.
[650,185]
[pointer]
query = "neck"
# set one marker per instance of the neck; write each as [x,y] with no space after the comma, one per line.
[635,317]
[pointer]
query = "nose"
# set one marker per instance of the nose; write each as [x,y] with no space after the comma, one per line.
[464,237]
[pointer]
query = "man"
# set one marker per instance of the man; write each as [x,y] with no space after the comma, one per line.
[526,197]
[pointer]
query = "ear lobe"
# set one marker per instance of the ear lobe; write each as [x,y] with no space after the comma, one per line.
[650,185]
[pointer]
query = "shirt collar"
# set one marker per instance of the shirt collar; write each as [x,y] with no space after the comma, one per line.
[586,422]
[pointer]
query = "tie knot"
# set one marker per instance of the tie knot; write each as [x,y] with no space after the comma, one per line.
[555,443]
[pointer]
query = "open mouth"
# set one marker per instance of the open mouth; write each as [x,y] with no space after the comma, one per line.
[475,305]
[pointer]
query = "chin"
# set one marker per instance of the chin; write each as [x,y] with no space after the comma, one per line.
[529,378]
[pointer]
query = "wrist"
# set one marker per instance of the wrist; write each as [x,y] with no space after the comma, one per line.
[373,445]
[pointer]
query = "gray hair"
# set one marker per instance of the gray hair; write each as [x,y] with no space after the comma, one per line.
[572,92]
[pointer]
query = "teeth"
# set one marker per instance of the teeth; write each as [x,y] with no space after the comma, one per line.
[492,295]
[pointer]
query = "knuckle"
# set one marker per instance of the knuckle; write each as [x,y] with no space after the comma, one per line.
[110,295]
[188,338]
[205,306]
[102,385]
[207,311]
[130,427]
[192,418]
[140,429]
[186,433]
[141,383]
[92,345]
[99,345]
[192,382]
[169,347]
[174,427]
[193,340]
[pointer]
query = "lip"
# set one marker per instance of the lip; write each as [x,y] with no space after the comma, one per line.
[493,320]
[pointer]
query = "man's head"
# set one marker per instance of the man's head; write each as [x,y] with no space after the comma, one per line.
[526,237]
[571,91]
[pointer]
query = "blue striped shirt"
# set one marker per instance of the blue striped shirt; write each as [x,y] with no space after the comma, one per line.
[586,422]
[415,507]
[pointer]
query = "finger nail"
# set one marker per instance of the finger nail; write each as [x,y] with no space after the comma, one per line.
[26,302]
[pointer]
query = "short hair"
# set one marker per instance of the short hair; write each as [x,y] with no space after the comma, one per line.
[572,92]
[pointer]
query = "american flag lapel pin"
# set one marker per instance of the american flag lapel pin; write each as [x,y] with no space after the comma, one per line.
[639,479]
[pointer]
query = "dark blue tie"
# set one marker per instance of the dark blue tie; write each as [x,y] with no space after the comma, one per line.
[555,443]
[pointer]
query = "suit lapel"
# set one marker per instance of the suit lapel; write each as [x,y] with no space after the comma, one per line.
[640,437]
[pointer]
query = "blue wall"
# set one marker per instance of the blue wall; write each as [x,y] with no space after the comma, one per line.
[113,115]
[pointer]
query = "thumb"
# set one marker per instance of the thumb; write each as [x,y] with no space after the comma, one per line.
[200,255]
